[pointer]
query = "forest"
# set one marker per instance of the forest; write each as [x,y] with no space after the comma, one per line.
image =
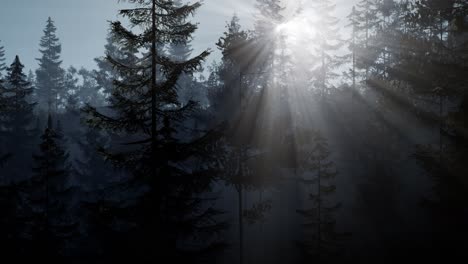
[305,137]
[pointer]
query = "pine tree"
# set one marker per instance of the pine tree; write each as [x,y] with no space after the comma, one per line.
[4,154]
[3,100]
[31,79]
[364,21]
[73,102]
[89,91]
[2,60]
[239,59]
[430,54]
[50,90]
[18,90]
[440,68]
[269,17]
[236,60]
[105,74]
[329,42]
[147,110]
[353,17]
[187,87]
[49,195]
[384,39]
[183,50]
[321,238]
[139,108]
[17,133]
[214,89]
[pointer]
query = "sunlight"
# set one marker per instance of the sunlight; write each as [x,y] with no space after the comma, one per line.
[298,29]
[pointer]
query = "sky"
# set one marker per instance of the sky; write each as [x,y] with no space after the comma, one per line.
[82,26]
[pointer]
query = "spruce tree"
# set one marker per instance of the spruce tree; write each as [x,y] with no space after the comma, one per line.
[238,59]
[269,17]
[16,130]
[2,60]
[105,74]
[364,21]
[89,92]
[353,17]
[385,41]
[147,111]
[49,75]
[4,155]
[141,101]
[180,51]
[234,46]
[329,42]
[3,99]
[49,195]
[186,85]
[18,90]
[440,77]
[321,241]
[71,80]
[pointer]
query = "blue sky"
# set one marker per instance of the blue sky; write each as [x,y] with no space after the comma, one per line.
[83,24]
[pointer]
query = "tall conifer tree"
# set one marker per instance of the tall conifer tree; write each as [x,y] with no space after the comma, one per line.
[321,239]
[105,74]
[49,75]
[329,42]
[3,107]
[17,117]
[2,60]
[146,109]
[269,17]
[49,196]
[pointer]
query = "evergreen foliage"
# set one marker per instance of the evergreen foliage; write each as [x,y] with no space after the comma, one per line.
[47,198]
[16,118]
[145,107]
[49,75]
[2,60]
[321,238]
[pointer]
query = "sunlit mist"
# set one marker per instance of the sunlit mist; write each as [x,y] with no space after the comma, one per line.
[233,131]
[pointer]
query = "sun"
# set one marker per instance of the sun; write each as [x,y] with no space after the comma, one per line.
[298,29]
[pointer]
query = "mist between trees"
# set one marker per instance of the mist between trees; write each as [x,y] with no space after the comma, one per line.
[298,146]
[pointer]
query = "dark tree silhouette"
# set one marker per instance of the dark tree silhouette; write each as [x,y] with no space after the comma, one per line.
[146,108]
[321,238]
[2,61]
[4,156]
[330,42]
[47,198]
[17,119]
[49,75]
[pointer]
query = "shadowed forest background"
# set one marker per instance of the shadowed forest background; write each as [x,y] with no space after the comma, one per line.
[304,138]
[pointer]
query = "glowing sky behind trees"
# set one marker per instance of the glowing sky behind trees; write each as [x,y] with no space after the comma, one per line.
[82,26]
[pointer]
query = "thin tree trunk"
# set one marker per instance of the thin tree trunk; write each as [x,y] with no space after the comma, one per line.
[319,233]
[354,64]
[441,127]
[47,215]
[153,89]
[241,226]
[367,38]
